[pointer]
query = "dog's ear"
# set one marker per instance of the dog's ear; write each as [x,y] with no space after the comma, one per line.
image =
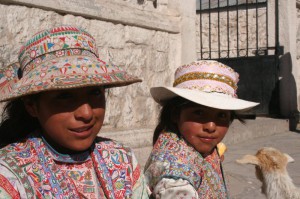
[248,159]
[290,159]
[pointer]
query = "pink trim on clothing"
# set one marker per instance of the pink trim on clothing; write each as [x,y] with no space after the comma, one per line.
[5,184]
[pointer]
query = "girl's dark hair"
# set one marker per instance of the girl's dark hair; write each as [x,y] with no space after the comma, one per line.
[16,123]
[171,109]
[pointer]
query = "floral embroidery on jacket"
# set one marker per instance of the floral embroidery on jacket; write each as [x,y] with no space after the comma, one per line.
[172,157]
[108,170]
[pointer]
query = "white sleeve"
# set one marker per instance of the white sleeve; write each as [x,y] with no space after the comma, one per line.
[168,188]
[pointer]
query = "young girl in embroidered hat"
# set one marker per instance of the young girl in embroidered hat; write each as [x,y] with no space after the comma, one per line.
[195,116]
[55,108]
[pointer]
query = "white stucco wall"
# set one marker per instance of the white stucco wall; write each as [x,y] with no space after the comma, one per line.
[289,65]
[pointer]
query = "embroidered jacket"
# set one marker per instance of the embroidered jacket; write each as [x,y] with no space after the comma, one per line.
[174,164]
[32,169]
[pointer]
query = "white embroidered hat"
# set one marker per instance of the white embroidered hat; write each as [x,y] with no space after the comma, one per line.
[206,82]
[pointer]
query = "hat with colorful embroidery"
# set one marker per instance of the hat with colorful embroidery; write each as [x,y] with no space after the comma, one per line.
[59,58]
[206,82]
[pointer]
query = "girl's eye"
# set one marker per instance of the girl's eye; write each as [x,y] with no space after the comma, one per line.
[223,115]
[64,95]
[199,112]
[97,92]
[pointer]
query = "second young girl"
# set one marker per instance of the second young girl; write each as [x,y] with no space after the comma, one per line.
[195,116]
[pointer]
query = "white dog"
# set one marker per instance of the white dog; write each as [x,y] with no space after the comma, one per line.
[270,165]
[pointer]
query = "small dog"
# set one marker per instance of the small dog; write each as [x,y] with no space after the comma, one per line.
[270,165]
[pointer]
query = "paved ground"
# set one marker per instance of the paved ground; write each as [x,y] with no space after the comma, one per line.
[241,179]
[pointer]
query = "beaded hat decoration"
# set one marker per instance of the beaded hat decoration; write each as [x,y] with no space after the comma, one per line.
[59,58]
[206,82]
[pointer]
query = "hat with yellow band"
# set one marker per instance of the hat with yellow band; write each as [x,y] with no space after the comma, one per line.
[59,58]
[206,82]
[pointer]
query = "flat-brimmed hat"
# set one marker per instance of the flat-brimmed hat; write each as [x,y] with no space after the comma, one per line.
[59,58]
[206,82]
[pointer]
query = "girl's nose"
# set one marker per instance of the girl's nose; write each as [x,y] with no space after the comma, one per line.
[210,127]
[84,112]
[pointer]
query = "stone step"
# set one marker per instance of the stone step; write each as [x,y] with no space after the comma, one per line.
[259,127]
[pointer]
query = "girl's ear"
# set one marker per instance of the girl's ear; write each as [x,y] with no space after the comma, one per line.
[30,106]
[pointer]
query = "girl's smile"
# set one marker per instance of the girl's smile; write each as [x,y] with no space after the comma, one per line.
[82,132]
[207,139]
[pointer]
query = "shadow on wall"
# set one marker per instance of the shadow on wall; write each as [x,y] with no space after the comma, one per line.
[288,92]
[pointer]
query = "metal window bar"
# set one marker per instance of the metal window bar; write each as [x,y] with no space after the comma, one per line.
[219,40]
[278,48]
[228,44]
[218,8]
[237,28]
[200,34]
[256,10]
[267,22]
[209,28]
[247,30]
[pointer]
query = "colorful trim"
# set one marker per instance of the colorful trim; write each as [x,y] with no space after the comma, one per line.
[136,174]
[8,78]
[56,55]
[103,175]
[204,75]
[21,175]
[50,173]
[59,38]
[5,184]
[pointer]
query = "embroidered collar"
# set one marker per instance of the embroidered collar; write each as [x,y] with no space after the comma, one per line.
[66,158]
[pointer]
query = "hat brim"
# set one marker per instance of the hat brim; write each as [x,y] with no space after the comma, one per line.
[213,100]
[90,72]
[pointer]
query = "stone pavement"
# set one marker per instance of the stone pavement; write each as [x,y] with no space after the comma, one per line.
[241,179]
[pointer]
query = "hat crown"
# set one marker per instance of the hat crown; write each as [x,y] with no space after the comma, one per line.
[208,76]
[55,39]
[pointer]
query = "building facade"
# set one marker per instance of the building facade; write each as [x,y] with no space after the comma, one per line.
[150,39]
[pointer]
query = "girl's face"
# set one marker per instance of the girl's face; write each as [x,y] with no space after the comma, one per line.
[203,127]
[70,119]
